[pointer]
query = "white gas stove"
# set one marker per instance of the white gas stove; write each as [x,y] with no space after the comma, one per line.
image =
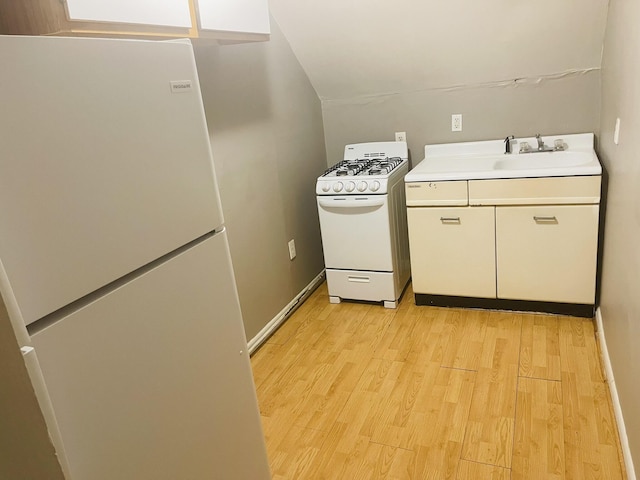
[363,221]
[366,168]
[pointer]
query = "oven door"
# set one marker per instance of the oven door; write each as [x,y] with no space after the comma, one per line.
[356,232]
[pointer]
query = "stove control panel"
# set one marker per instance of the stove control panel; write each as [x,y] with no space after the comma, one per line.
[333,187]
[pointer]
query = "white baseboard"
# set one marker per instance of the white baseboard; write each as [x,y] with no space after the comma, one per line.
[615,400]
[273,325]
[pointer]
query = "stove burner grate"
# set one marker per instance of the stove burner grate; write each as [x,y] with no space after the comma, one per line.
[364,166]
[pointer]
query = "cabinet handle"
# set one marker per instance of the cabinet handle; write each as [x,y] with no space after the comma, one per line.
[358,279]
[450,219]
[545,219]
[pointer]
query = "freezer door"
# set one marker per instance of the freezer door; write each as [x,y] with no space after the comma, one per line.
[153,381]
[105,163]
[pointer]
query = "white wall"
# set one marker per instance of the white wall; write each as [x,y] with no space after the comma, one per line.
[620,299]
[545,105]
[358,48]
[511,68]
[265,124]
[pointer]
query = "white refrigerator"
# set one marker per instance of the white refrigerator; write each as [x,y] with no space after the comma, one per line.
[114,263]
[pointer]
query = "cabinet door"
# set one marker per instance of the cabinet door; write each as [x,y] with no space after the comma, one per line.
[547,253]
[250,16]
[172,13]
[453,251]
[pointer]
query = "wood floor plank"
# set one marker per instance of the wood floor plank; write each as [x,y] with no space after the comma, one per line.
[437,431]
[377,461]
[310,310]
[293,455]
[297,375]
[342,325]
[427,343]
[463,337]
[479,471]
[401,465]
[489,434]
[432,428]
[398,339]
[539,437]
[324,392]
[265,362]
[591,445]
[540,348]
[371,331]
[578,351]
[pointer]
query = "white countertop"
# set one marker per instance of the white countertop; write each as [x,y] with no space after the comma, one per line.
[487,160]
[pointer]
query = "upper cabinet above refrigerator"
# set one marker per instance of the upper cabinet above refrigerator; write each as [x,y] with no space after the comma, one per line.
[226,20]
[174,13]
[234,16]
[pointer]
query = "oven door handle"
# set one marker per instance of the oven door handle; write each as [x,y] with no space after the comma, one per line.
[351,202]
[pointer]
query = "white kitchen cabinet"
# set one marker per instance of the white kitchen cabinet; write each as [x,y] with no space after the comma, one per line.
[521,239]
[453,251]
[172,13]
[547,253]
[242,16]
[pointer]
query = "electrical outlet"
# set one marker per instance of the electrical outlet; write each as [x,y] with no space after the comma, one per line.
[292,249]
[401,136]
[456,122]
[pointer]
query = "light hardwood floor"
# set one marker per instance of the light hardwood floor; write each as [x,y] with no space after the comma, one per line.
[357,391]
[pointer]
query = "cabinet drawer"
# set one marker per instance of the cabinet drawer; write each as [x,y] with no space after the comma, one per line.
[453,251]
[535,191]
[436,193]
[547,253]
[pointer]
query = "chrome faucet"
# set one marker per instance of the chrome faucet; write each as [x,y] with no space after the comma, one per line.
[507,144]
[541,146]
[558,146]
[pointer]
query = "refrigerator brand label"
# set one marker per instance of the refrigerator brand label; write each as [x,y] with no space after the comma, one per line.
[181,86]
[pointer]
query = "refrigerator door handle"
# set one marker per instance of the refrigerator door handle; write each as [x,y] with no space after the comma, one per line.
[37,381]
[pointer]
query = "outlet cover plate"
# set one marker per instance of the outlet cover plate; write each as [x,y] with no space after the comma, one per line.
[292,249]
[456,122]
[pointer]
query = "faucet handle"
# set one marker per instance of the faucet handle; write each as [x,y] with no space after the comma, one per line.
[525,147]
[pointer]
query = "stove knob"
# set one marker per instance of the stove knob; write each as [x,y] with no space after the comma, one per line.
[326,187]
[362,186]
[337,186]
[350,187]
[375,186]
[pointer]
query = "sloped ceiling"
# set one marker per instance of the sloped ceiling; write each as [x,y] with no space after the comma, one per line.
[360,48]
